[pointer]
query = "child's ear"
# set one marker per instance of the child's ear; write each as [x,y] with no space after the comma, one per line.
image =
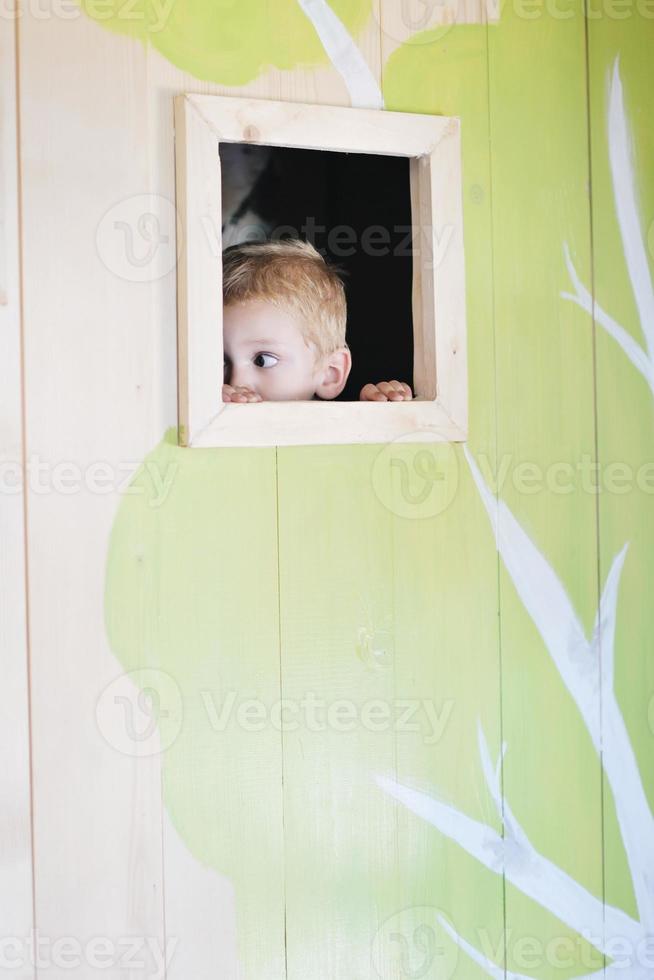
[334,373]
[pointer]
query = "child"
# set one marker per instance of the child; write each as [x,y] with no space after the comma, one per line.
[284,327]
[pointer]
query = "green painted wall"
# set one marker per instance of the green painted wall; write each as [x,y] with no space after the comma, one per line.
[225,41]
[308,574]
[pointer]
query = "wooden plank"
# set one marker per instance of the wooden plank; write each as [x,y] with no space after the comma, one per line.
[199,300]
[342,872]
[16,899]
[544,364]
[447,676]
[223,878]
[439,311]
[335,128]
[317,423]
[621,75]
[202,612]
[422,297]
[92,352]
[448,286]
[445,566]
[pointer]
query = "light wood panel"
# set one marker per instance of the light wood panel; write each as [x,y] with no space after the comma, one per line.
[325,127]
[544,363]
[320,423]
[198,576]
[338,666]
[621,74]
[91,367]
[342,871]
[199,299]
[444,562]
[16,905]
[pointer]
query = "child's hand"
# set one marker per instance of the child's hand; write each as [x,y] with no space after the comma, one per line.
[240,394]
[386,391]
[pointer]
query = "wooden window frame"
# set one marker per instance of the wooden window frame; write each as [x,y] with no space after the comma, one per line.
[432,143]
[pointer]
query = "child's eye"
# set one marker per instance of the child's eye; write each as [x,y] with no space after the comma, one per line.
[265,360]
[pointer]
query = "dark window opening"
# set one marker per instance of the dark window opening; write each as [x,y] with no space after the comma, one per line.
[355,209]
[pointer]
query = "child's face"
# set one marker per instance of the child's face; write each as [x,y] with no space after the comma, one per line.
[266,352]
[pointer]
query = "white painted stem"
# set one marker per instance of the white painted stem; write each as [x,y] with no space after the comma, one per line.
[631,806]
[631,347]
[344,54]
[492,969]
[623,178]
[578,662]
[624,192]
[523,866]
[548,605]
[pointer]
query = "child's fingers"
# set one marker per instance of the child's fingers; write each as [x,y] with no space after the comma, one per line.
[239,394]
[404,393]
[371,393]
[395,391]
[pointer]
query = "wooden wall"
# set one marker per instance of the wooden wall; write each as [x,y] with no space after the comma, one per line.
[414,610]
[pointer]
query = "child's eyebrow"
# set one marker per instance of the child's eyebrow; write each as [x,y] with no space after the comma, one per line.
[267,340]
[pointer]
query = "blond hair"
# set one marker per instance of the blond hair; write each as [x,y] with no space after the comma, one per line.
[293,275]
